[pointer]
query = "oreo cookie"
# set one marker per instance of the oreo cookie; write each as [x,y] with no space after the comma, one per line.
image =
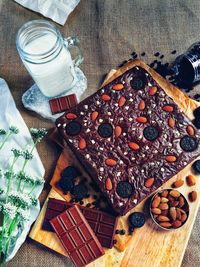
[188,143]
[196,166]
[124,189]
[73,128]
[79,192]
[105,130]
[136,219]
[138,83]
[151,133]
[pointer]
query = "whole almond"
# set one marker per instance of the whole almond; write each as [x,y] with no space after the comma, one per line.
[133,145]
[172,212]
[168,108]
[173,203]
[165,224]
[176,224]
[111,162]
[178,214]
[141,119]
[141,105]
[181,201]
[122,101]
[149,182]
[171,122]
[193,196]
[164,193]
[162,218]
[155,202]
[118,87]
[178,183]
[190,130]
[108,184]
[163,206]
[118,131]
[156,211]
[71,116]
[153,90]
[175,193]
[82,143]
[105,97]
[191,180]
[165,212]
[164,199]
[183,217]
[94,115]
[170,158]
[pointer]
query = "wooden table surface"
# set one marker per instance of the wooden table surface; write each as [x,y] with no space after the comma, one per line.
[109,32]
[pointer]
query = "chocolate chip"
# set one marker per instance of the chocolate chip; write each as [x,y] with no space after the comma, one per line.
[79,192]
[196,166]
[105,130]
[88,205]
[156,54]
[117,232]
[73,128]
[136,219]
[173,52]
[124,189]
[162,56]
[143,54]
[138,83]
[150,133]
[70,172]
[188,143]
[122,232]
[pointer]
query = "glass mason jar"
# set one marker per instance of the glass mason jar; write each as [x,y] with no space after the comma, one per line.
[46,56]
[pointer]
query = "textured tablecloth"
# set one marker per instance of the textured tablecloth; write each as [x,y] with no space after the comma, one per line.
[109,31]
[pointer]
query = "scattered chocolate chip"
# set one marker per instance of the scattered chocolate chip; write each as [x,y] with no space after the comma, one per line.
[138,83]
[105,130]
[134,56]
[162,56]
[156,54]
[70,172]
[136,219]
[151,65]
[124,189]
[197,122]
[117,232]
[122,232]
[133,53]
[122,64]
[73,128]
[81,202]
[143,54]
[196,166]
[188,143]
[114,241]
[173,52]
[88,205]
[79,192]
[150,133]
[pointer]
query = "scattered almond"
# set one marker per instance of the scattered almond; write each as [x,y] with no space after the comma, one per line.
[183,217]
[156,211]
[118,131]
[193,196]
[181,202]
[162,218]
[175,193]
[122,101]
[165,224]
[153,90]
[156,202]
[105,97]
[170,158]
[176,224]
[164,212]
[133,145]
[149,182]
[178,214]
[82,143]
[141,105]
[71,116]
[172,212]
[171,122]
[164,193]
[191,180]
[108,184]
[190,130]
[111,162]
[163,206]
[94,115]
[118,87]
[173,203]
[178,183]
[168,108]
[141,119]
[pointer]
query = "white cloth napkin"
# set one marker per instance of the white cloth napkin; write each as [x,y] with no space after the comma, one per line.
[10,116]
[57,10]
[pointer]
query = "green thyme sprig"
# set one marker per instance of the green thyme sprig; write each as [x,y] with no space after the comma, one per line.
[12,130]
[2,132]
[38,134]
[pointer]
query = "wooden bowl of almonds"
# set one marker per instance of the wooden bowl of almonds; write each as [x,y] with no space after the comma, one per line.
[169,209]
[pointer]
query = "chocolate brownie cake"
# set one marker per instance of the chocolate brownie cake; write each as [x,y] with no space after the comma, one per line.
[130,136]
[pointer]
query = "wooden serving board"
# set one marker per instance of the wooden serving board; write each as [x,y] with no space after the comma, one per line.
[149,246]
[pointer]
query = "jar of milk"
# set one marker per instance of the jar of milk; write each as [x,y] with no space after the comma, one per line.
[46,56]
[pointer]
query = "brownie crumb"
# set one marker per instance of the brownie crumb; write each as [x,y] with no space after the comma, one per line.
[143,54]
[156,54]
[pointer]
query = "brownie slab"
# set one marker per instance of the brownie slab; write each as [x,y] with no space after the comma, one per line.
[130,136]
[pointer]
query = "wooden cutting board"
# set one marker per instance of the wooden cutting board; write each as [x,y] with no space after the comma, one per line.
[149,246]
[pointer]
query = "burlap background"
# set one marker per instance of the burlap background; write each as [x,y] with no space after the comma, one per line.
[109,31]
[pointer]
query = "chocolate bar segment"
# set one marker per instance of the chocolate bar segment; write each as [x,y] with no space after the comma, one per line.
[62,104]
[130,136]
[103,224]
[77,237]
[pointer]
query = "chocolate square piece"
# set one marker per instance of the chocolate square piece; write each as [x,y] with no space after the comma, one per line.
[63,103]
[130,136]
[103,224]
[77,237]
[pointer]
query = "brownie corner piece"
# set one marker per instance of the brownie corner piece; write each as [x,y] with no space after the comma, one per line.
[131,137]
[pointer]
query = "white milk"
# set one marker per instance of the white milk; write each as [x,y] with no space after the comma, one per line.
[53,77]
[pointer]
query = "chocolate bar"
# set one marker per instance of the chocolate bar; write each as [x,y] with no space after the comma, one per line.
[77,237]
[130,136]
[62,104]
[103,224]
